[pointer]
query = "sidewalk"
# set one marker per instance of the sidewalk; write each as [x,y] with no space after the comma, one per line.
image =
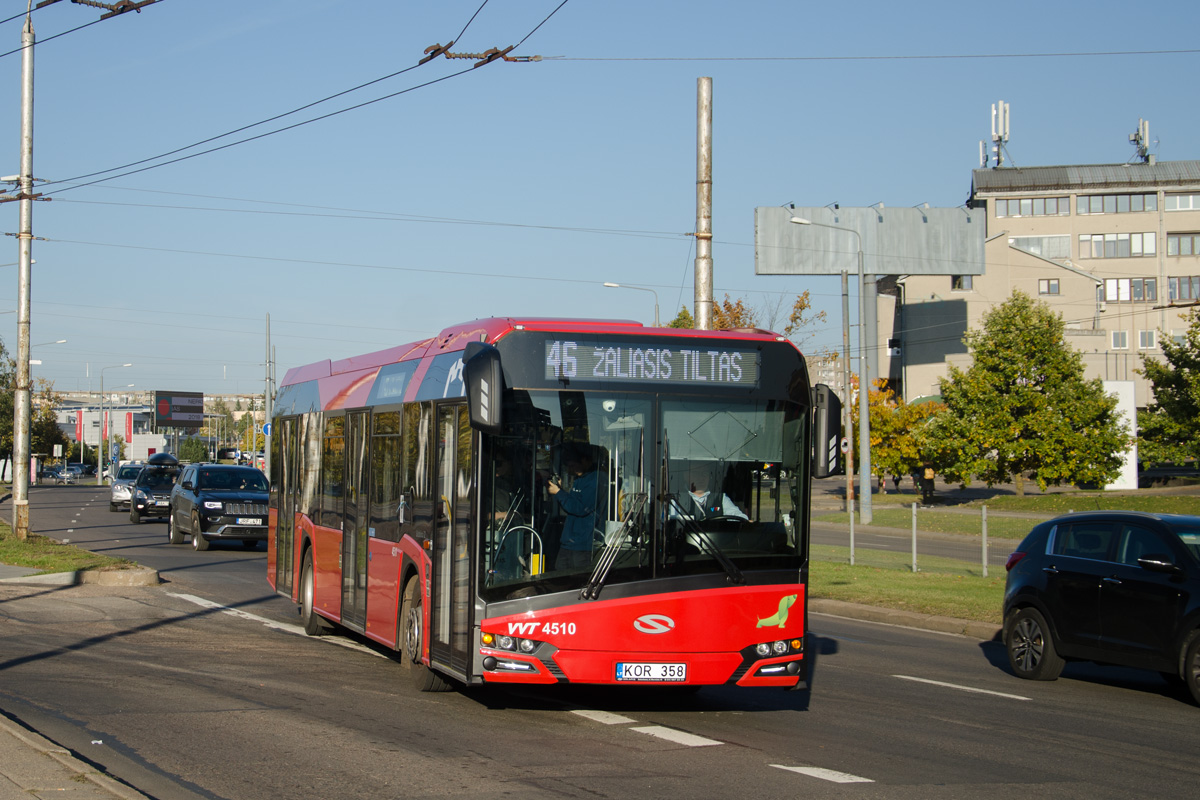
[31,766]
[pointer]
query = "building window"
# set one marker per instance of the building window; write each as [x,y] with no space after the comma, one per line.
[1183,288]
[1117,245]
[1033,207]
[960,283]
[1044,246]
[1147,340]
[1126,290]
[1178,337]
[1182,202]
[1120,340]
[1115,203]
[1048,286]
[1183,244]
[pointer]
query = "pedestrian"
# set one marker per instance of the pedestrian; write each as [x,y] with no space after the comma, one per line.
[927,484]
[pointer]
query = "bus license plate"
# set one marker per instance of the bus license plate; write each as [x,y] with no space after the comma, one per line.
[249,521]
[644,671]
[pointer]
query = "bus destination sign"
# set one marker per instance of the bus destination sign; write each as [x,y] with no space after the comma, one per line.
[650,363]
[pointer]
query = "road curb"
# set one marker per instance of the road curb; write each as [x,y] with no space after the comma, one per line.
[142,576]
[984,631]
[63,756]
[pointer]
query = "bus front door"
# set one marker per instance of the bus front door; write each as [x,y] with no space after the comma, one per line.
[450,594]
[356,517]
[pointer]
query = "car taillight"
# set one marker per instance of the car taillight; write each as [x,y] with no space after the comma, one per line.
[1013,560]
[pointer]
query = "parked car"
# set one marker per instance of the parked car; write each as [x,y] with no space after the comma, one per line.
[1115,587]
[121,488]
[152,487]
[53,475]
[218,502]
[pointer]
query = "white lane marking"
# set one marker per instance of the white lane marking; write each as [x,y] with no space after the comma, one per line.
[961,688]
[826,774]
[603,717]
[286,627]
[678,737]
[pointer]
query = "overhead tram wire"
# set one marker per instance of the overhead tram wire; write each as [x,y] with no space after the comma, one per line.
[281,116]
[917,57]
[41,6]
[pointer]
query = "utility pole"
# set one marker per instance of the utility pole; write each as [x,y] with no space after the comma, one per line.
[268,406]
[704,262]
[21,400]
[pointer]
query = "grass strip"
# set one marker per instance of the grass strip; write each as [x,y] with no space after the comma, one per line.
[941,586]
[46,555]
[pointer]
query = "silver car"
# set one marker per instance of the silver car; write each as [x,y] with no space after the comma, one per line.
[122,485]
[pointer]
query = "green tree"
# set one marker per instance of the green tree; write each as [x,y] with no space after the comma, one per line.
[1169,428]
[1023,407]
[682,320]
[194,450]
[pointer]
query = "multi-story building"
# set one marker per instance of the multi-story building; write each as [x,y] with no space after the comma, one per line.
[1113,248]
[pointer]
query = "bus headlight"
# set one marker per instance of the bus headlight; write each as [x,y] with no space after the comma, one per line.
[763,649]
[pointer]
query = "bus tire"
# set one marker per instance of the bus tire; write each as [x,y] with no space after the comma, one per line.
[411,619]
[314,624]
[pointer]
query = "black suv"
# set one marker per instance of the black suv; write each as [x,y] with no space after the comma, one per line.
[1116,587]
[151,492]
[219,501]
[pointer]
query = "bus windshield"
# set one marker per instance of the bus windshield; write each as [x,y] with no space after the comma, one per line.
[581,487]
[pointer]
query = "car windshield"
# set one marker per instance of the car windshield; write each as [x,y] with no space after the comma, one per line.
[1190,538]
[128,473]
[231,480]
[156,478]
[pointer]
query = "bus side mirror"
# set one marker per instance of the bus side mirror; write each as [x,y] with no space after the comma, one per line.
[484,383]
[827,432]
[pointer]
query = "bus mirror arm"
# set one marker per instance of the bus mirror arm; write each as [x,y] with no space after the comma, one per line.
[483,381]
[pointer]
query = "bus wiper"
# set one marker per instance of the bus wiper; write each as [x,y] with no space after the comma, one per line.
[706,543]
[613,546]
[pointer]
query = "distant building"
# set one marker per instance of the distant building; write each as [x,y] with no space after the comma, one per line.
[1113,248]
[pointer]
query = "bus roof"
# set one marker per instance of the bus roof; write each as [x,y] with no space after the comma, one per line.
[456,337]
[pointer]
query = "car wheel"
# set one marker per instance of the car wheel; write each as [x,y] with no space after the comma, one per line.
[314,624]
[198,540]
[1191,666]
[134,516]
[174,536]
[1030,646]
[412,623]
[113,507]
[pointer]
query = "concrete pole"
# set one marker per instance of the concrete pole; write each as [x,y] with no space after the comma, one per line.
[864,406]
[21,399]
[847,418]
[704,262]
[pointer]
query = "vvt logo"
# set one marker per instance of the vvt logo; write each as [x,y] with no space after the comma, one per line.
[654,623]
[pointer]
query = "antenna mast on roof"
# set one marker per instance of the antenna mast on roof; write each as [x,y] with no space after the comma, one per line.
[1141,141]
[999,130]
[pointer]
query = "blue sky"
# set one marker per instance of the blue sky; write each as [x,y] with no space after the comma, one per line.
[515,188]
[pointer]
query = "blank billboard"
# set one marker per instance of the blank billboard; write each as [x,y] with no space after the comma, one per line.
[894,241]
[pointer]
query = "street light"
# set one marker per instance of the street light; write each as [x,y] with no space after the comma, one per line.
[864,413]
[100,438]
[640,289]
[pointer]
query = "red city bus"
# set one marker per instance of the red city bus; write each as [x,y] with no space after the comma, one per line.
[554,501]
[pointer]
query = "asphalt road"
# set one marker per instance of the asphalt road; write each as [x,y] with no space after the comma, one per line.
[202,688]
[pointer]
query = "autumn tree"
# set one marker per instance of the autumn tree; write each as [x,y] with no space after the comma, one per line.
[44,430]
[1169,429]
[730,313]
[1023,407]
[899,439]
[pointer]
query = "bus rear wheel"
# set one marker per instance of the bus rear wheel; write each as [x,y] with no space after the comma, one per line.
[411,625]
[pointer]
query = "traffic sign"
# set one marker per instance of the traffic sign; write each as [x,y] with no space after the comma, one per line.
[845,445]
[266,429]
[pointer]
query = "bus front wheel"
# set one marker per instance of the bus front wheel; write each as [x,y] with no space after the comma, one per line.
[411,626]
[314,624]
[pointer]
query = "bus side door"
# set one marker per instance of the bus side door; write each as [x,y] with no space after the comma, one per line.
[355,521]
[450,593]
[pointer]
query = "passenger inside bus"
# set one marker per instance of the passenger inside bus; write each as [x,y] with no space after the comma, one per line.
[583,504]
